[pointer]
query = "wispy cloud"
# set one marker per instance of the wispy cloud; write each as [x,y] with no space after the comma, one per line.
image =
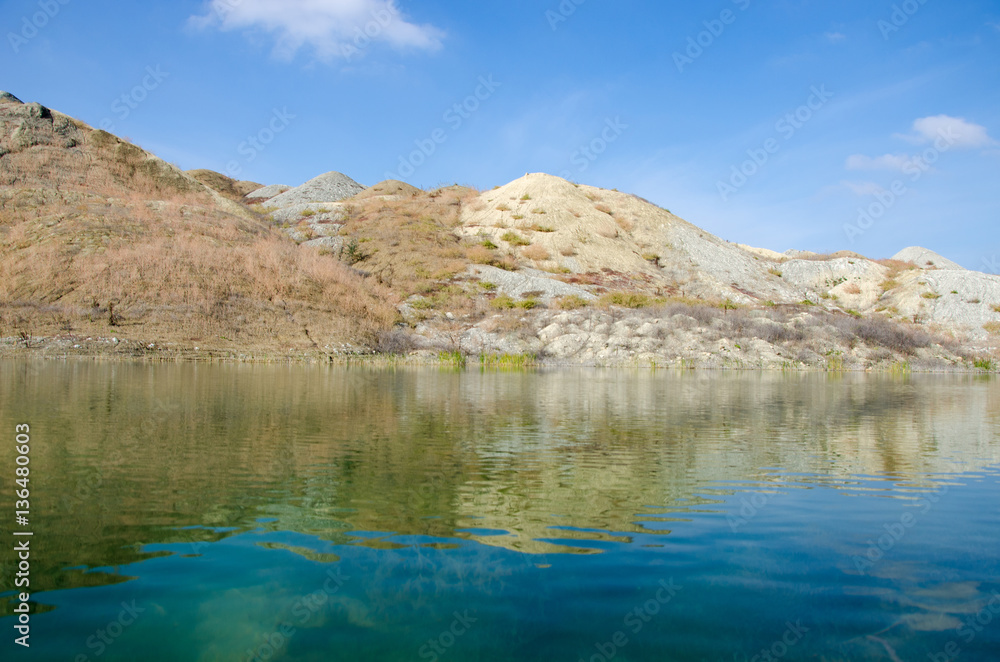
[835,37]
[863,188]
[963,133]
[897,162]
[334,29]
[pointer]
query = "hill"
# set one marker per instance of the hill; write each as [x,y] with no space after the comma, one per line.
[100,239]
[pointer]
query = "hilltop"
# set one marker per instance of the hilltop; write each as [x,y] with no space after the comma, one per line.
[100,239]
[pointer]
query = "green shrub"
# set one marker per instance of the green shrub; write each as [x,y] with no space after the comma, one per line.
[626,300]
[571,302]
[515,239]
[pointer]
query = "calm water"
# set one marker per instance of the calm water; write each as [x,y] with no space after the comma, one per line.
[296,513]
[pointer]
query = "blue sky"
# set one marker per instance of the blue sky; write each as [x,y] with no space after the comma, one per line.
[829,108]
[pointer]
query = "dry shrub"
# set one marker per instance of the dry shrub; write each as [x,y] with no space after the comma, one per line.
[852,288]
[411,243]
[536,253]
[625,224]
[896,267]
[880,332]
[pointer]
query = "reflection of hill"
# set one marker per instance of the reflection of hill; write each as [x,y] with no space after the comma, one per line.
[126,454]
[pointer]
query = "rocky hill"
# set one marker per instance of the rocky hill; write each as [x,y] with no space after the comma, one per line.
[99,238]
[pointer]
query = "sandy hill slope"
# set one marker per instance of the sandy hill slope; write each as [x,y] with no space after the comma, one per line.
[227,186]
[576,229]
[98,236]
[607,240]
[925,258]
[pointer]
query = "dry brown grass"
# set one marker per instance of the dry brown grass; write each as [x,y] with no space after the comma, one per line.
[852,288]
[104,233]
[536,253]
[896,267]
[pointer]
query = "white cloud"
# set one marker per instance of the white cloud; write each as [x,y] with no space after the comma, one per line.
[962,133]
[835,37]
[864,188]
[896,162]
[335,29]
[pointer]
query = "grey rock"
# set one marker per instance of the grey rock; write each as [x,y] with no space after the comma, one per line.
[329,187]
[517,283]
[268,192]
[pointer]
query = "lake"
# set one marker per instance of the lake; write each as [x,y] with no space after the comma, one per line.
[243,512]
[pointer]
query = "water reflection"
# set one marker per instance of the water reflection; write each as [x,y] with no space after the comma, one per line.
[462,484]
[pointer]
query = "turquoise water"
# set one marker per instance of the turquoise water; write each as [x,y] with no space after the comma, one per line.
[303,513]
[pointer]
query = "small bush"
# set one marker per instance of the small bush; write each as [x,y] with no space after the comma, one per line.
[526,197]
[626,300]
[853,288]
[503,207]
[996,308]
[481,255]
[571,302]
[984,364]
[488,244]
[542,228]
[538,210]
[536,253]
[393,341]
[503,302]
[775,272]
[930,295]
[604,209]
[515,239]
[308,213]
[993,328]
[507,361]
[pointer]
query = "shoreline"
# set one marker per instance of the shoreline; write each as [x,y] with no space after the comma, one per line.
[112,349]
